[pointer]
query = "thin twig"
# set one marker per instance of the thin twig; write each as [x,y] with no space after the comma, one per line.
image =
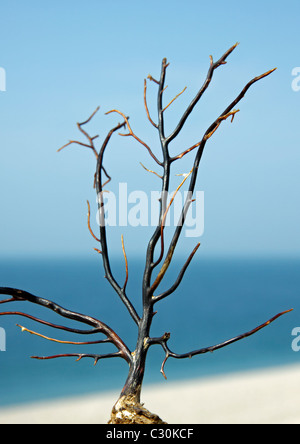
[24,329]
[169,257]
[90,118]
[151,171]
[49,324]
[90,139]
[126,263]
[152,79]
[80,356]
[179,278]
[208,133]
[219,120]
[71,142]
[88,222]
[146,106]
[131,133]
[174,99]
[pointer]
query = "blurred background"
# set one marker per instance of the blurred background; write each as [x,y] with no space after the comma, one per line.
[62,60]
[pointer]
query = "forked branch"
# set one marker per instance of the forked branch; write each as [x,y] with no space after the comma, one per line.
[89,138]
[99,184]
[99,326]
[169,354]
[168,260]
[131,133]
[179,278]
[228,112]
[121,291]
[212,68]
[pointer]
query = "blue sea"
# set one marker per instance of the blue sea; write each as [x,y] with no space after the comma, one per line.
[217,300]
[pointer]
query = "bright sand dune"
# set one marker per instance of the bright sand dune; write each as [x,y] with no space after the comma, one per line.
[270,396]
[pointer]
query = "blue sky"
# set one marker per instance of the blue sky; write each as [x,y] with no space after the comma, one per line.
[63,59]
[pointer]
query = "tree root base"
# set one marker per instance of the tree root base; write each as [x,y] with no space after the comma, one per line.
[128,411]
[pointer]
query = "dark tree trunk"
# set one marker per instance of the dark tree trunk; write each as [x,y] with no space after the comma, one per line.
[129,409]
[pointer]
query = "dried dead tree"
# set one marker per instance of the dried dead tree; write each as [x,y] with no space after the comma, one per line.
[128,408]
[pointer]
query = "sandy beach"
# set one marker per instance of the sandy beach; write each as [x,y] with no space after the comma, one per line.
[268,396]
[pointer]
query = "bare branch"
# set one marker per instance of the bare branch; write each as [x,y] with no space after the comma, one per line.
[169,257]
[150,171]
[176,97]
[169,354]
[227,112]
[90,139]
[101,341]
[219,120]
[126,263]
[103,239]
[80,356]
[146,106]
[5,301]
[131,133]
[88,222]
[152,79]
[161,90]
[90,118]
[179,278]
[107,175]
[150,265]
[20,295]
[49,324]
[71,142]
[208,133]
[204,87]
